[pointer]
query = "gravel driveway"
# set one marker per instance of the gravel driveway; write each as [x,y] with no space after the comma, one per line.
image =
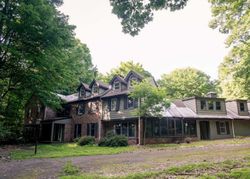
[144,159]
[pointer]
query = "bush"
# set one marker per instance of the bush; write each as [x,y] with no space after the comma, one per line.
[86,140]
[70,169]
[76,139]
[114,141]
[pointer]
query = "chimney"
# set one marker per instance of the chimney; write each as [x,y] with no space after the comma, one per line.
[212,94]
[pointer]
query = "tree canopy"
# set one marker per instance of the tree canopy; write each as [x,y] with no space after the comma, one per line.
[123,69]
[136,14]
[233,18]
[153,99]
[186,82]
[38,55]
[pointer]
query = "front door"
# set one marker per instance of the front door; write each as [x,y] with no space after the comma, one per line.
[204,130]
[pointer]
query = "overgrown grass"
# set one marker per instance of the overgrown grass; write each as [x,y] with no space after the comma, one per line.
[230,169]
[67,150]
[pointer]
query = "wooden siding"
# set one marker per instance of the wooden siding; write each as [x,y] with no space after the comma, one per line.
[121,114]
[242,127]
[235,107]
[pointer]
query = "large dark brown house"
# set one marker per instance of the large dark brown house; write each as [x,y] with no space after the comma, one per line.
[98,108]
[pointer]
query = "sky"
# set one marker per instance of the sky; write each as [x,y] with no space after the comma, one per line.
[172,40]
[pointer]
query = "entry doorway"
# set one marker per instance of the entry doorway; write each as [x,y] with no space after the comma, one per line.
[204,130]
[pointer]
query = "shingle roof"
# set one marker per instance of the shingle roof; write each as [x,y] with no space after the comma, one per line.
[115,93]
[119,78]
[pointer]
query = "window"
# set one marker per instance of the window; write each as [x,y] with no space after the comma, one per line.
[116,85]
[113,104]
[132,103]
[131,129]
[125,128]
[203,105]
[95,89]
[81,109]
[92,129]
[218,105]
[82,92]
[242,107]
[78,130]
[190,127]
[222,127]
[210,105]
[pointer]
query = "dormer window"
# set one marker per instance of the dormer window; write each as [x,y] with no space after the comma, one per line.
[116,85]
[203,105]
[81,92]
[81,109]
[210,105]
[95,89]
[242,107]
[218,105]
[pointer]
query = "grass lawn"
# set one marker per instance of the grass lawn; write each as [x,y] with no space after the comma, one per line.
[66,150]
[230,169]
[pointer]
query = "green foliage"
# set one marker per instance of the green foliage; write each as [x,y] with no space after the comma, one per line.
[152,99]
[135,15]
[38,55]
[186,82]
[70,169]
[112,140]
[86,140]
[232,18]
[123,69]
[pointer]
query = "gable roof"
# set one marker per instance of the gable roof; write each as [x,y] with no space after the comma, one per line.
[118,78]
[139,76]
[100,83]
[86,86]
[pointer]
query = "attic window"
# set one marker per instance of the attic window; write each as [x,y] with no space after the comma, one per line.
[203,105]
[116,85]
[95,88]
[82,92]
[242,107]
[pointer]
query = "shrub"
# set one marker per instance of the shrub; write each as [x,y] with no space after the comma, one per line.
[70,169]
[113,141]
[76,139]
[86,140]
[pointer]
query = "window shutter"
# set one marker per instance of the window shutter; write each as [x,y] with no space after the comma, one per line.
[109,104]
[125,102]
[117,104]
[77,109]
[218,127]
[227,127]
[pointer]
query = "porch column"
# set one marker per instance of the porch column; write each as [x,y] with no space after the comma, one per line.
[139,130]
[99,129]
[233,128]
[52,132]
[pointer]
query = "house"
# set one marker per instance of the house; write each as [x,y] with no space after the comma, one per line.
[98,108]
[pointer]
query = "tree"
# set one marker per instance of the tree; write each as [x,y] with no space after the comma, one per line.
[123,69]
[186,82]
[36,46]
[233,18]
[152,101]
[134,14]
[82,67]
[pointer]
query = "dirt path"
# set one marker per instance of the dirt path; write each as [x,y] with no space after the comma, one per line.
[145,159]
